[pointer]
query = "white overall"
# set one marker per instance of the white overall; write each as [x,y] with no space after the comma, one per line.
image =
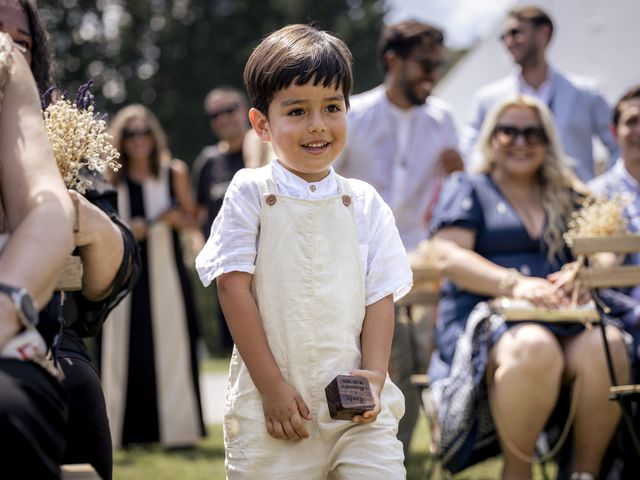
[309,288]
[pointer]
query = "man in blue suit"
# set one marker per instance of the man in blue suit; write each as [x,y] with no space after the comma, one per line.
[579,109]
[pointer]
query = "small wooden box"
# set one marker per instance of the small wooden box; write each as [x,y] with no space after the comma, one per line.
[348,396]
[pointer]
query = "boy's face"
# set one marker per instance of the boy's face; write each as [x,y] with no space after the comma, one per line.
[307,126]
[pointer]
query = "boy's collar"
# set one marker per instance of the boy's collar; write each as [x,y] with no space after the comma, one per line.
[290,181]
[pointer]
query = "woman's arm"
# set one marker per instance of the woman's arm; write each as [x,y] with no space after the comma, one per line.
[38,210]
[455,258]
[101,248]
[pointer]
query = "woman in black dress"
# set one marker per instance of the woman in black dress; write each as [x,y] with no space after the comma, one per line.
[150,371]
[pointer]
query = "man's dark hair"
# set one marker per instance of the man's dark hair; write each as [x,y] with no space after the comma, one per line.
[297,54]
[534,15]
[633,92]
[41,54]
[402,37]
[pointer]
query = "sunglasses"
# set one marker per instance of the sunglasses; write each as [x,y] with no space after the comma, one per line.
[514,32]
[136,133]
[508,134]
[428,66]
[223,111]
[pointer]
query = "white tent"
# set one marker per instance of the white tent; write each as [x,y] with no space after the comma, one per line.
[594,38]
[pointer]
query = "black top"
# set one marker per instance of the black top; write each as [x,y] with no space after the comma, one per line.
[212,173]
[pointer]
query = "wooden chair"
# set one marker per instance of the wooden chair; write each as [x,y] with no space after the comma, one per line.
[424,295]
[593,278]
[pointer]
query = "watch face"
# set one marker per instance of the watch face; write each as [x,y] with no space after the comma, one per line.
[28,309]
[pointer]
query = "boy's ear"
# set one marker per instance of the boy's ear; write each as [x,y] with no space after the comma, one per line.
[260,124]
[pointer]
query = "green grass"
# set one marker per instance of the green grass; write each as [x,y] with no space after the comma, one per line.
[206,461]
[214,365]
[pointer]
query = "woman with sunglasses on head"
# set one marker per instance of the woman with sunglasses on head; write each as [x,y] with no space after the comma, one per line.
[149,364]
[500,233]
[109,256]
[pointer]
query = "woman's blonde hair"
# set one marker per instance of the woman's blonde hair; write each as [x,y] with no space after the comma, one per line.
[558,183]
[160,155]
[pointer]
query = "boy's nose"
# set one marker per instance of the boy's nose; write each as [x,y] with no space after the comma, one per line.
[316,124]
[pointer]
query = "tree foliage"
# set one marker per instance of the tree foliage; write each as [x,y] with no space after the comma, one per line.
[167,54]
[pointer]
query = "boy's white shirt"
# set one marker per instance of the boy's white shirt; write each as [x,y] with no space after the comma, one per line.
[233,241]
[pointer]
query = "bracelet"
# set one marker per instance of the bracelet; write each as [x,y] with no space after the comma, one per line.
[507,282]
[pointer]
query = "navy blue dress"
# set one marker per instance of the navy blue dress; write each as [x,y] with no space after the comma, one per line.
[457,388]
[474,201]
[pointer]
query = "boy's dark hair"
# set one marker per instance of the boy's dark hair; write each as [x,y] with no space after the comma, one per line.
[297,54]
[41,55]
[633,92]
[402,37]
[535,15]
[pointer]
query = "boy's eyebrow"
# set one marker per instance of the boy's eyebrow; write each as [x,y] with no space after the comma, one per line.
[293,101]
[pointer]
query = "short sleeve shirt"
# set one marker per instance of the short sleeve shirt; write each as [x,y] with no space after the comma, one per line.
[234,240]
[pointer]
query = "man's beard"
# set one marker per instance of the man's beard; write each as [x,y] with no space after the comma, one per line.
[529,57]
[409,91]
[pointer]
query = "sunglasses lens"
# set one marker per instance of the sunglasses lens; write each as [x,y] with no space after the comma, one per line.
[507,135]
[427,65]
[224,111]
[534,135]
[514,32]
[136,133]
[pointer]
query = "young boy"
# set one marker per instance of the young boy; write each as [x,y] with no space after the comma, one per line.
[307,264]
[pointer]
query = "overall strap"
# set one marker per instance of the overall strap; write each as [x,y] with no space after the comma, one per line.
[344,190]
[267,182]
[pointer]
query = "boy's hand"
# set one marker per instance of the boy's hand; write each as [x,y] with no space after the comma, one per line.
[284,409]
[376,382]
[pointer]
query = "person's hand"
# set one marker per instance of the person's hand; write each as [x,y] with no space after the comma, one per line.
[539,291]
[566,281]
[90,220]
[139,228]
[451,161]
[172,218]
[9,323]
[178,219]
[284,411]
[376,382]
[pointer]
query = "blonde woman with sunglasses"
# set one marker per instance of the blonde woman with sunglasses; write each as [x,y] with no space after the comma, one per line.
[499,232]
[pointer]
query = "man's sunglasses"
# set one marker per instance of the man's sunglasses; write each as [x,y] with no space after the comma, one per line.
[508,134]
[214,114]
[514,32]
[427,65]
[136,133]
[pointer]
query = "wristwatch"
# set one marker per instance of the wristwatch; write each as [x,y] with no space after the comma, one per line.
[27,313]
